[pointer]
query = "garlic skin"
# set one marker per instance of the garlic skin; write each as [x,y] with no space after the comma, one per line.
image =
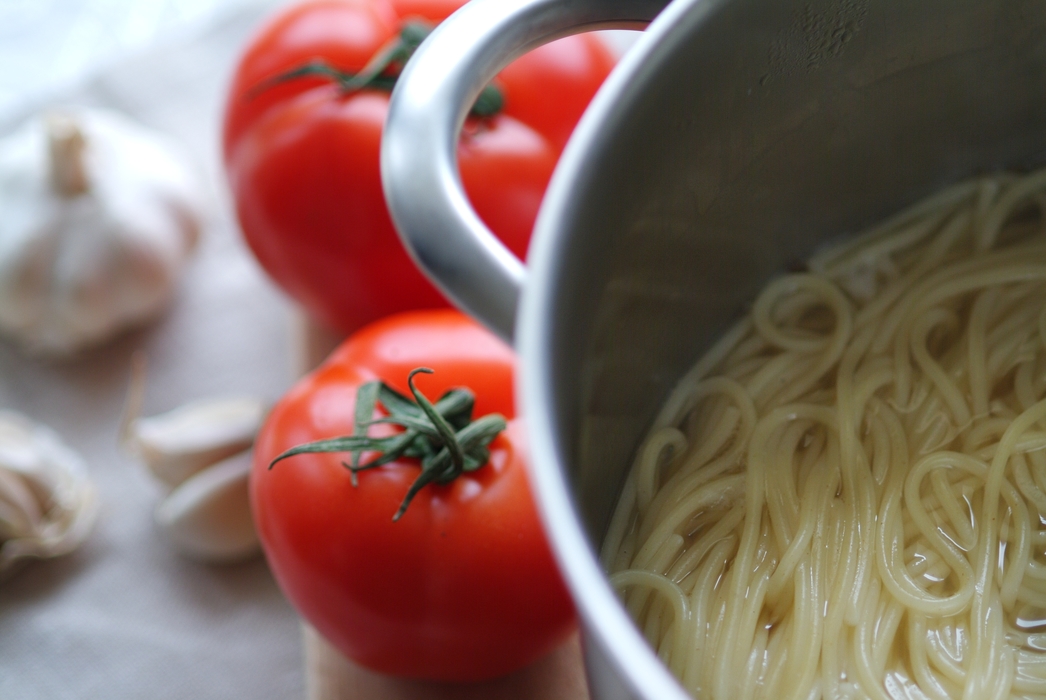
[47,503]
[208,517]
[100,216]
[177,444]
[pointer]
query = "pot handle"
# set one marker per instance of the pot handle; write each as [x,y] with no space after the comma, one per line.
[419,167]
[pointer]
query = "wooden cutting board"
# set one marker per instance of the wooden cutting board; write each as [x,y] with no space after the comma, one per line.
[331,676]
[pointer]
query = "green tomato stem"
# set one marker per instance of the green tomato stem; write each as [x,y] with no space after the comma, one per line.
[381,71]
[442,436]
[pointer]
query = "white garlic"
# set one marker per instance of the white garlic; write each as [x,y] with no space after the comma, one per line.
[177,444]
[47,503]
[202,449]
[208,517]
[100,215]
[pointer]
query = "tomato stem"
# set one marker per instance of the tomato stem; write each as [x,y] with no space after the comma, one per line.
[381,71]
[442,435]
[446,433]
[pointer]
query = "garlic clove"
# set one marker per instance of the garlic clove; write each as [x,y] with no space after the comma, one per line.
[177,444]
[20,511]
[47,503]
[209,517]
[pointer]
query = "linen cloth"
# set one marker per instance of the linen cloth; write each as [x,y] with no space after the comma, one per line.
[125,617]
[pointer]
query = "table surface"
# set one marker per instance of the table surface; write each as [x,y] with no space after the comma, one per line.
[124,616]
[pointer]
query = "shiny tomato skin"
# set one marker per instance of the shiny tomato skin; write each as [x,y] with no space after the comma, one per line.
[305,200]
[555,80]
[429,10]
[320,231]
[463,587]
[304,172]
[505,167]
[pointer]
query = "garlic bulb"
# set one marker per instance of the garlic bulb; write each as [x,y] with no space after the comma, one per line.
[47,503]
[99,217]
[177,444]
[208,517]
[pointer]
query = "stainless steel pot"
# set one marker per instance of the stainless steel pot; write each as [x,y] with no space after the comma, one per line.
[734,138]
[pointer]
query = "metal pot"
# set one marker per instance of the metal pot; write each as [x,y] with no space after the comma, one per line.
[734,138]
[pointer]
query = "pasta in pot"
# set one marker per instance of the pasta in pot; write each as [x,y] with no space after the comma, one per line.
[846,496]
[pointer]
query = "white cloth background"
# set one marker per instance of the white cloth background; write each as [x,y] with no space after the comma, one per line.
[125,617]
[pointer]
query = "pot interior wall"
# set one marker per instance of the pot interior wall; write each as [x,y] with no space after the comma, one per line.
[755,132]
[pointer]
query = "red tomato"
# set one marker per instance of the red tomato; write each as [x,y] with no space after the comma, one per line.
[302,159]
[463,586]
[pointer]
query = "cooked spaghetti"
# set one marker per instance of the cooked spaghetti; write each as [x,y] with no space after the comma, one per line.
[846,496]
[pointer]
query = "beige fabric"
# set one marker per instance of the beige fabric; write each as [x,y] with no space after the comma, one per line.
[124,618]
